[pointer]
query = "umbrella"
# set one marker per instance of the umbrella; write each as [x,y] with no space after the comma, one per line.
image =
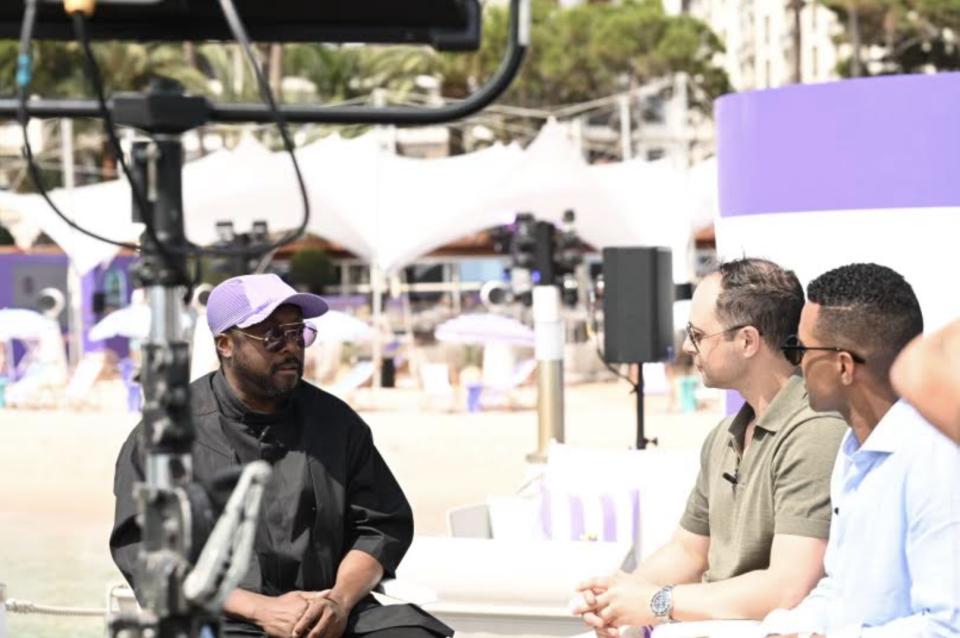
[19,323]
[339,326]
[132,322]
[485,329]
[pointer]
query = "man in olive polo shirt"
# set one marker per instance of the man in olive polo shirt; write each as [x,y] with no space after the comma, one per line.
[754,532]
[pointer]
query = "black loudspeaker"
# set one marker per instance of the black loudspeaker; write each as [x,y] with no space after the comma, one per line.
[638,297]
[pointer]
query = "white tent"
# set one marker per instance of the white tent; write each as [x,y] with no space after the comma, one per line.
[389,210]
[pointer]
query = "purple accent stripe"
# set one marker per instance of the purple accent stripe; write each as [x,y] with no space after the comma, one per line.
[888,142]
[546,513]
[635,518]
[609,509]
[577,523]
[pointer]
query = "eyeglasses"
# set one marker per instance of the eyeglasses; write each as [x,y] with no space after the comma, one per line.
[696,337]
[794,350]
[274,339]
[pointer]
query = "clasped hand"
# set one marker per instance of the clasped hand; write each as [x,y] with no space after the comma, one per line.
[302,614]
[612,602]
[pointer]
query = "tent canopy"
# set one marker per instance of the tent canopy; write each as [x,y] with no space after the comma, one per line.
[389,210]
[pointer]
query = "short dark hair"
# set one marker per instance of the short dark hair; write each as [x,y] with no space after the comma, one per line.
[870,308]
[759,293]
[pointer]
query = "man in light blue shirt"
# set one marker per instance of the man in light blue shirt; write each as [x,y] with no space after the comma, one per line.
[893,560]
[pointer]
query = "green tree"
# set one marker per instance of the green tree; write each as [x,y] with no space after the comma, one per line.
[898,36]
[347,72]
[312,269]
[593,50]
[6,239]
[58,67]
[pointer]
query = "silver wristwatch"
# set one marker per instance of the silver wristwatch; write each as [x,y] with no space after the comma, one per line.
[662,603]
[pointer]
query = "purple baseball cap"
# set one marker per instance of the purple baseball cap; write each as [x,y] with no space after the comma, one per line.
[241,302]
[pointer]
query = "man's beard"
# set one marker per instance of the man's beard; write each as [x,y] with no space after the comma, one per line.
[268,384]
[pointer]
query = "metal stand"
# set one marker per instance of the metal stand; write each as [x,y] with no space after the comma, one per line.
[176,515]
[642,440]
[170,509]
[548,328]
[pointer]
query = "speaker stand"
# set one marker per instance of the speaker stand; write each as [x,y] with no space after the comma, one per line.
[642,440]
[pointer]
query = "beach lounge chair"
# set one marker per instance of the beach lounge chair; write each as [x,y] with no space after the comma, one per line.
[437,389]
[360,374]
[79,390]
[502,391]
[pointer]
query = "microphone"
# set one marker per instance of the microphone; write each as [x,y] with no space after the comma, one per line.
[730,477]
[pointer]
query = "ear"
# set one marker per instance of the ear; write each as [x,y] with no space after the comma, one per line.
[224,345]
[750,341]
[847,368]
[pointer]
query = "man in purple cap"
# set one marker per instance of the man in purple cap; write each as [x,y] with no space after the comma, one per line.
[333,521]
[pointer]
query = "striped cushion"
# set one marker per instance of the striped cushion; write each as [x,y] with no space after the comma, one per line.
[593,516]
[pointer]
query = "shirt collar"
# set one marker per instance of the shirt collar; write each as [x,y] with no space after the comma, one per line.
[232,407]
[891,431]
[783,405]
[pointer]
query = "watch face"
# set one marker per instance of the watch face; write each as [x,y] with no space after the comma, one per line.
[660,603]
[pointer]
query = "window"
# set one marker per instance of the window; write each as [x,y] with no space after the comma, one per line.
[766,29]
[814,63]
[768,70]
[114,289]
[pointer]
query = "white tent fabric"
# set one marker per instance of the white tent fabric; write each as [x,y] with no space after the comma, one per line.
[650,205]
[104,209]
[389,210]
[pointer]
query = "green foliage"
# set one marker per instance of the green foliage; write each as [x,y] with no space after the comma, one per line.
[903,36]
[6,239]
[577,54]
[594,50]
[58,67]
[312,269]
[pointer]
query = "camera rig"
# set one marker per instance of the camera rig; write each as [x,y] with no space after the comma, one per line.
[188,565]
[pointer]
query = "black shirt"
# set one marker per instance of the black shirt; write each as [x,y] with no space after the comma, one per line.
[330,493]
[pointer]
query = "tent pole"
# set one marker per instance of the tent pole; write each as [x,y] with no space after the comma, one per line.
[376,286]
[626,129]
[74,281]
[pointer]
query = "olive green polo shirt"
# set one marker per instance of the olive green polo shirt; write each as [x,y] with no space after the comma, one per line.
[782,482]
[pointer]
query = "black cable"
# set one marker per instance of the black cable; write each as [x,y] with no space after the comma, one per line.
[140,200]
[95,77]
[24,63]
[240,35]
[596,334]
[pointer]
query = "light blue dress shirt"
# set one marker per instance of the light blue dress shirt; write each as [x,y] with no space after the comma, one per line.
[893,559]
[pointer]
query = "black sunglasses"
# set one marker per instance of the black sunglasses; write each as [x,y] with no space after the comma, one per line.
[302,334]
[794,350]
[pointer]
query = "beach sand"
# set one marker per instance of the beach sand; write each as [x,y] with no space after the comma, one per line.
[56,478]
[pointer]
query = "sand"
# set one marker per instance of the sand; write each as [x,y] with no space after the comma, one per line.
[56,476]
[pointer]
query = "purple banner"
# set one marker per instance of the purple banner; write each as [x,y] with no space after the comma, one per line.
[890,142]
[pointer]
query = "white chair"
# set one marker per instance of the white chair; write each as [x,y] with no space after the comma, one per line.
[506,588]
[352,380]
[503,388]
[513,581]
[78,391]
[437,388]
